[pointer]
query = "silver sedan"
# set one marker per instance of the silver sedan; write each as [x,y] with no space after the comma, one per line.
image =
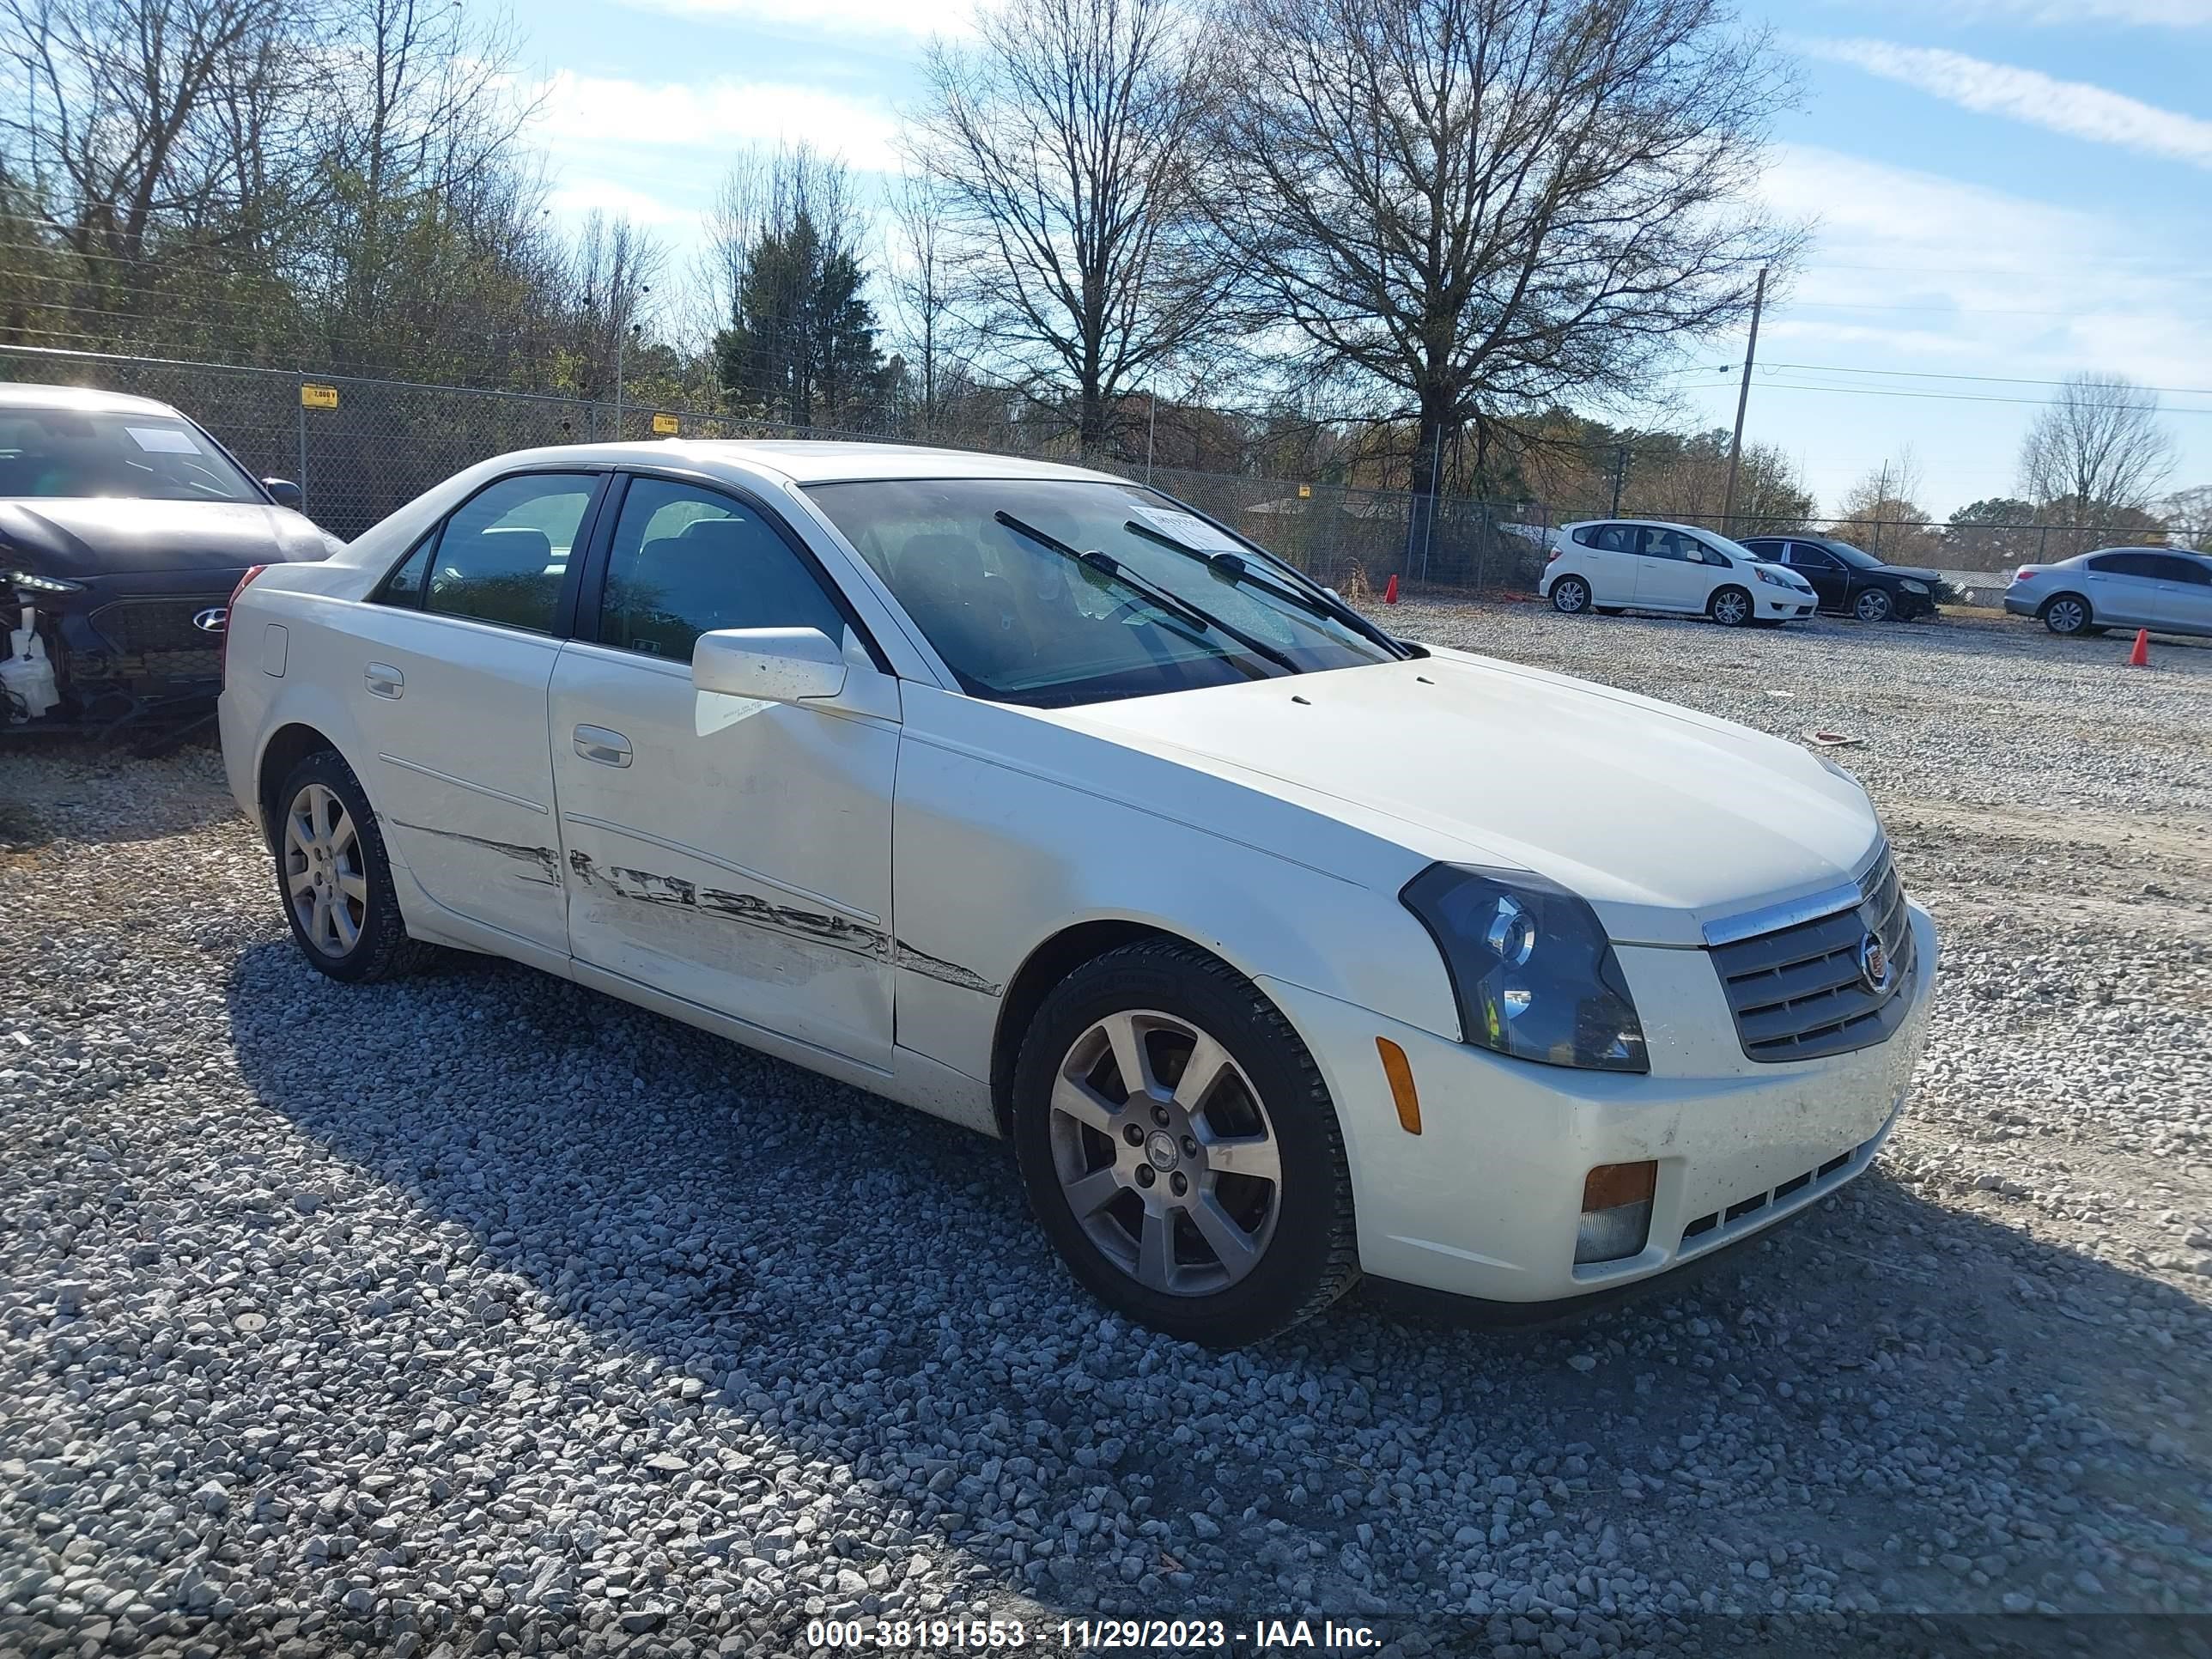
[2164,588]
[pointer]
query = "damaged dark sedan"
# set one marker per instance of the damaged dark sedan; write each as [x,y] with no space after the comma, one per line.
[124,527]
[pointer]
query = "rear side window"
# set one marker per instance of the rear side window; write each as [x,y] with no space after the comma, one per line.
[501,557]
[2127,564]
[402,586]
[1610,537]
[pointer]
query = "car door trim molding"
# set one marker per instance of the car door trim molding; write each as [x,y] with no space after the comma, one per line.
[462,783]
[682,851]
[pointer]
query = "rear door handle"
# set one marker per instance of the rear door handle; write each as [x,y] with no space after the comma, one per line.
[605,748]
[385,681]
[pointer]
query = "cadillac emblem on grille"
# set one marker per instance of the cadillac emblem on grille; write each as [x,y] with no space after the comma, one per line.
[212,620]
[1874,964]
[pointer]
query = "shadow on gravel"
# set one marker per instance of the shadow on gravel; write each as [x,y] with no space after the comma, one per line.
[49,791]
[1893,1402]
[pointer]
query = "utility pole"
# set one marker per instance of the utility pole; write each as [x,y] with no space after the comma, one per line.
[1619,477]
[1742,397]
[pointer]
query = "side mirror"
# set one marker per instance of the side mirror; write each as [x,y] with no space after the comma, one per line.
[283,492]
[774,665]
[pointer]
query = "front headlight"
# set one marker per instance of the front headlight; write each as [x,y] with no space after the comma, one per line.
[1772,578]
[1911,586]
[1532,969]
[25,581]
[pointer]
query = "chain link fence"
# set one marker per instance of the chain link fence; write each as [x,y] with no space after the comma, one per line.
[360,447]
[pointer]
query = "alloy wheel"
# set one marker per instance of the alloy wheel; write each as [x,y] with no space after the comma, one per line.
[1731,610]
[1165,1154]
[1570,596]
[1873,605]
[2065,616]
[325,881]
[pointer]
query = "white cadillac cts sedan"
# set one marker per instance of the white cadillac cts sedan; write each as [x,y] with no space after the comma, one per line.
[1283,951]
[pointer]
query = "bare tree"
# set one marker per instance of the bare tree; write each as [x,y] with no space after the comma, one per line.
[2188,515]
[613,267]
[1470,207]
[1061,143]
[920,273]
[2096,451]
[139,132]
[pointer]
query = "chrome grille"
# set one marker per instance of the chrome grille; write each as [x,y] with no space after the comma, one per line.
[1797,992]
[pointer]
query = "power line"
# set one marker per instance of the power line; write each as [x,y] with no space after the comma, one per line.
[1991,379]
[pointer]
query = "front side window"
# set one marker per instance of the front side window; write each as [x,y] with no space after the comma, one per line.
[502,557]
[686,561]
[1671,545]
[2172,567]
[1811,558]
[1017,620]
[48,452]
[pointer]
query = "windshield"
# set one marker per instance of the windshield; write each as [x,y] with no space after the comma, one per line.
[1018,620]
[1736,550]
[155,458]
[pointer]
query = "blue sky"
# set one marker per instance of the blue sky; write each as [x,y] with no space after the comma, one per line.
[2004,189]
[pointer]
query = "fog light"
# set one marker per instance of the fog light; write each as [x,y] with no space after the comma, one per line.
[1616,1220]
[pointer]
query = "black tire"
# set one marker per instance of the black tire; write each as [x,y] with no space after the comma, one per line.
[380,947]
[1309,1256]
[1731,607]
[1607,610]
[1873,605]
[2066,615]
[1570,596]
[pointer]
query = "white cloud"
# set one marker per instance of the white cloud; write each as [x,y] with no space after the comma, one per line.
[2074,108]
[581,196]
[587,113]
[2153,14]
[848,17]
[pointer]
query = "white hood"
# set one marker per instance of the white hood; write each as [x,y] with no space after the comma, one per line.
[1663,818]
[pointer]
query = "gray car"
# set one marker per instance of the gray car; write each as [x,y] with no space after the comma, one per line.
[2163,588]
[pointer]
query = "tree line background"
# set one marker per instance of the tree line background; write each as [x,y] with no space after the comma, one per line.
[1389,244]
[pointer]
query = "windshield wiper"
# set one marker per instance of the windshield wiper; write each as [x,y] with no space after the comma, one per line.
[1174,603]
[1234,567]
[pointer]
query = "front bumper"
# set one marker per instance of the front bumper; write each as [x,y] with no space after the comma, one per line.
[1486,1200]
[1787,607]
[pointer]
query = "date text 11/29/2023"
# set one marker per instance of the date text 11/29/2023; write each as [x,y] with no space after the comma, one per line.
[1257,1636]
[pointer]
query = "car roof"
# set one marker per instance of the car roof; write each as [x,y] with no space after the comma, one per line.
[81,399]
[811,461]
[1652,524]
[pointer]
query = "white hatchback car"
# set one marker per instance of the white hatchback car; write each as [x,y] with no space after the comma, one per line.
[1644,564]
[1282,949]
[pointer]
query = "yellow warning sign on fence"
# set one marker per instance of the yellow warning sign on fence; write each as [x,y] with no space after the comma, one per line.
[665,426]
[1305,492]
[317,396]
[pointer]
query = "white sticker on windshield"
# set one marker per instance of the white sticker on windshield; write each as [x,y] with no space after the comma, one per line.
[1190,531]
[163,440]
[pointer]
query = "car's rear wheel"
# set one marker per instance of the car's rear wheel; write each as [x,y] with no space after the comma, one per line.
[2067,615]
[1872,606]
[1729,606]
[1570,595]
[1180,1148]
[333,877]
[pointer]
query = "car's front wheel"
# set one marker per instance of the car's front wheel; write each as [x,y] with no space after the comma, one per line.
[1872,606]
[2067,615]
[1730,607]
[1570,595]
[1180,1148]
[333,877]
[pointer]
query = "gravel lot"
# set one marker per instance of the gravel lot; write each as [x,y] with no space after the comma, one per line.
[481,1313]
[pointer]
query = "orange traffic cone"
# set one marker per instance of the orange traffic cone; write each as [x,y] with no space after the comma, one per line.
[2140,657]
[1391,589]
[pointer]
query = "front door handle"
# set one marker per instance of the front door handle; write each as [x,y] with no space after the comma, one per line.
[601,746]
[384,680]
